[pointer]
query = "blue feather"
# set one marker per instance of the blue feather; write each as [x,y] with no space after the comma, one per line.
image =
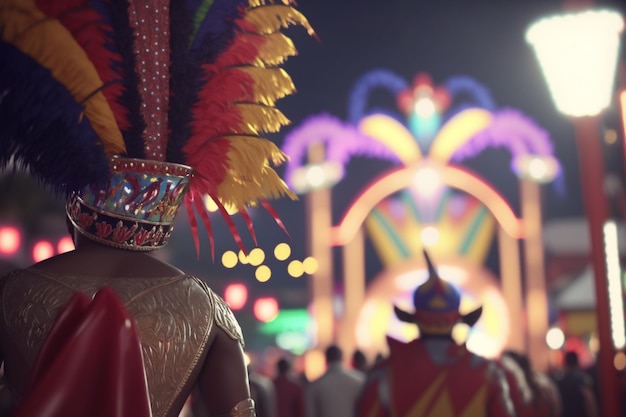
[42,128]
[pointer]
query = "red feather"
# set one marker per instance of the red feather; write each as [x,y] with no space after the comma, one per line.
[91,32]
[214,113]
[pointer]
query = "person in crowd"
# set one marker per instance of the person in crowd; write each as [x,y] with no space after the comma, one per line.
[290,399]
[432,375]
[130,110]
[359,361]
[334,394]
[263,393]
[576,389]
[533,393]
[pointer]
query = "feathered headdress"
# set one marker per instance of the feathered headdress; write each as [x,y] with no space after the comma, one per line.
[193,82]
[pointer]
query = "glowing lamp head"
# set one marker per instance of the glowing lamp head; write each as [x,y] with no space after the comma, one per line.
[578,55]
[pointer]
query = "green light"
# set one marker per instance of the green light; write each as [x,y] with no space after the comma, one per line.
[291,320]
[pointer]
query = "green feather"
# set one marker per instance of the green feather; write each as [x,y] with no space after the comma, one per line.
[198,18]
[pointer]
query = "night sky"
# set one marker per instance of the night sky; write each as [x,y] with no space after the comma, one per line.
[480,39]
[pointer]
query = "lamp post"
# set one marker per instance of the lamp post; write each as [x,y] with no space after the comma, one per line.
[578,55]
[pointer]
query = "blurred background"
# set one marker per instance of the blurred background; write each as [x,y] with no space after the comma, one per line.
[332,281]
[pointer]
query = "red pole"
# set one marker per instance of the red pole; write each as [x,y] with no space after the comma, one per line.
[595,202]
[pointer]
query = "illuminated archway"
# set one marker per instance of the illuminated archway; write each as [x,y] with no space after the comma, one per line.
[398,179]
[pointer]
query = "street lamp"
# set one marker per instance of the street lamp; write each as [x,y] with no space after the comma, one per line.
[578,54]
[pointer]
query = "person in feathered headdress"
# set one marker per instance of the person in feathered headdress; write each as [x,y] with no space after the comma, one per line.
[432,375]
[132,109]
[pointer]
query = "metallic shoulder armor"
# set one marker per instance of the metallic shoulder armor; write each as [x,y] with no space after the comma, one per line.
[224,317]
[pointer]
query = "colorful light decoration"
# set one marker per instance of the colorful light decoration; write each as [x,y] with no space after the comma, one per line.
[413,141]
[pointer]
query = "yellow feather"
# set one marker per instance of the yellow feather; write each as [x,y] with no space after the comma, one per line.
[251,178]
[269,18]
[260,118]
[270,84]
[50,44]
[276,48]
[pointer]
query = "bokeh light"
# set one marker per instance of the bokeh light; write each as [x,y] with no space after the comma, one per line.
[10,240]
[429,236]
[236,296]
[282,251]
[65,244]
[263,273]
[229,259]
[42,250]
[295,269]
[256,256]
[310,265]
[266,309]
[555,338]
[243,258]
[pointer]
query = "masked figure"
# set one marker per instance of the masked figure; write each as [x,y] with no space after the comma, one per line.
[131,110]
[432,376]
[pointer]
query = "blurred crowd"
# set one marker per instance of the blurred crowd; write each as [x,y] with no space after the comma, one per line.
[284,391]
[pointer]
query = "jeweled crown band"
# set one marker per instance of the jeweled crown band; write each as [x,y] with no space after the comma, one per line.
[112,230]
[150,191]
[138,206]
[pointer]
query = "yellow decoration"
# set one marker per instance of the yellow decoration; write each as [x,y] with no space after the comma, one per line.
[459,130]
[392,134]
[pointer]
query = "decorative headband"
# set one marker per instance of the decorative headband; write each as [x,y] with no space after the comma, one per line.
[137,208]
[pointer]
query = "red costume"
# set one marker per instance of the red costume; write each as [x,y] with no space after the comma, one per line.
[433,376]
